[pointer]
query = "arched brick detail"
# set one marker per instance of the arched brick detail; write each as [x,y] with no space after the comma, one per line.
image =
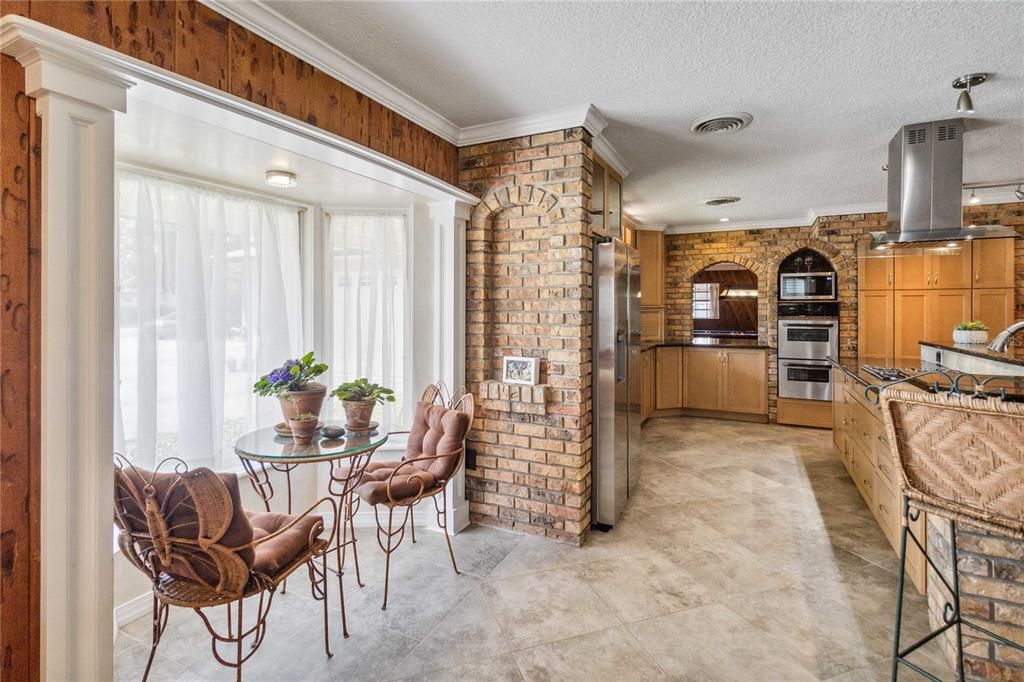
[683,285]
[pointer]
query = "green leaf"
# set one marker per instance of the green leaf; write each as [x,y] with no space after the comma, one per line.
[307,358]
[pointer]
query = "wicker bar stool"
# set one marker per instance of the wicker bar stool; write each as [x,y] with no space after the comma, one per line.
[960,458]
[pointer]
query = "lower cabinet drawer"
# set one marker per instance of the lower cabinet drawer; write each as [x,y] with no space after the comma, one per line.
[863,474]
[886,508]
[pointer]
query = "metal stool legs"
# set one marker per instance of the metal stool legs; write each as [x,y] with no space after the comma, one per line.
[951,615]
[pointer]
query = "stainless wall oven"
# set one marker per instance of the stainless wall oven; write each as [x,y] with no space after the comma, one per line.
[805,379]
[810,339]
[808,335]
[807,286]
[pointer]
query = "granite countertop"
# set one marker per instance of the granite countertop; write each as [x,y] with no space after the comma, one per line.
[1014,355]
[932,383]
[701,342]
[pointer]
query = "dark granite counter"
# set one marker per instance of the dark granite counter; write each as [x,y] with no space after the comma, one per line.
[700,342]
[939,381]
[1012,356]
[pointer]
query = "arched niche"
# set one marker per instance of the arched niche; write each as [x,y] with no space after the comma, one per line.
[725,300]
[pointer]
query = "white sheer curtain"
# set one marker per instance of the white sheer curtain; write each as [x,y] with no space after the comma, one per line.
[209,298]
[368,304]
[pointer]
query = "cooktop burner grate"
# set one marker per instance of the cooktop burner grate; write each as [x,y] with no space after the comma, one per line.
[885,373]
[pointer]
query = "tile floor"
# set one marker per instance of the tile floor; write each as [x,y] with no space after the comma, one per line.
[747,554]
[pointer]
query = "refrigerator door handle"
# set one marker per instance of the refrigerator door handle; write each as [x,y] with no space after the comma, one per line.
[620,355]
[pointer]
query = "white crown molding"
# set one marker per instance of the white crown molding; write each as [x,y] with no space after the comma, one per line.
[267,22]
[256,16]
[648,227]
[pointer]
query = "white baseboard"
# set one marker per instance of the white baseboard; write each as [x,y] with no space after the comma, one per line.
[133,609]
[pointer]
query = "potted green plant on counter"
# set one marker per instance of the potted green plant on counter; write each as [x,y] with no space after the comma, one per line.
[970,332]
[359,397]
[293,384]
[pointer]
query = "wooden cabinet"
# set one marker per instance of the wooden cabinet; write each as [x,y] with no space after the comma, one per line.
[727,380]
[606,200]
[993,264]
[875,273]
[669,378]
[927,316]
[702,379]
[994,307]
[651,246]
[875,333]
[934,269]
[647,383]
[652,324]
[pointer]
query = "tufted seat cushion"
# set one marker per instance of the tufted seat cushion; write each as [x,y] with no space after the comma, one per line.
[436,430]
[279,553]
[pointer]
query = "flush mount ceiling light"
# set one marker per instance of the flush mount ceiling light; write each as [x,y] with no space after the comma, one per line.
[723,220]
[720,201]
[721,123]
[281,178]
[964,103]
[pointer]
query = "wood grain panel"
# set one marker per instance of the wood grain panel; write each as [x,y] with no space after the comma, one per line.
[201,44]
[144,30]
[324,102]
[15,7]
[19,618]
[402,146]
[250,65]
[89,19]
[355,115]
[290,84]
[380,128]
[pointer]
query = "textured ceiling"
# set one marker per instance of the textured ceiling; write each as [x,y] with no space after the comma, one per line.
[828,84]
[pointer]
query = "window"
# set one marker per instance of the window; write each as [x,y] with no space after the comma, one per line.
[209,297]
[705,301]
[367,305]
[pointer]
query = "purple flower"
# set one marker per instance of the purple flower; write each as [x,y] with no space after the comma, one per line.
[282,374]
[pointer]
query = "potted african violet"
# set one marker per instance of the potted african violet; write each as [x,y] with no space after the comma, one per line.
[971,332]
[293,384]
[359,397]
[303,427]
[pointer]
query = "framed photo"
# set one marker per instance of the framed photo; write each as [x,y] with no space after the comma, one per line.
[519,370]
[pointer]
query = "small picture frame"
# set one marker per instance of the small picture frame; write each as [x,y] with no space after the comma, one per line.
[520,370]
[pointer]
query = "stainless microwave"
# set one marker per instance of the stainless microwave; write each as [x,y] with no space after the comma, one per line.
[807,286]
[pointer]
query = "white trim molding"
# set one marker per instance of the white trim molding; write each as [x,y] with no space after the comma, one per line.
[76,100]
[604,149]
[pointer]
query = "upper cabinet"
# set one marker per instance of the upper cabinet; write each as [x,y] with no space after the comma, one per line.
[651,246]
[935,269]
[875,273]
[993,263]
[606,201]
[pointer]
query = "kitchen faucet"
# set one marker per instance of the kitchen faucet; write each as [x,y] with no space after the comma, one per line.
[1003,338]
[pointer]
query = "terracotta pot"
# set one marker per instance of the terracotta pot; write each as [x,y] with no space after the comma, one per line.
[303,430]
[301,402]
[358,413]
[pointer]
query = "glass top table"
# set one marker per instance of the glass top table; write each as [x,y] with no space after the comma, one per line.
[266,445]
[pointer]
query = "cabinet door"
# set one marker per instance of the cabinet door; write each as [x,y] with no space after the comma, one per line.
[910,324]
[838,409]
[994,307]
[875,272]
[745,381]
[651,246]
[993,263]
[946,309]
[875,314]
[669,378]
[702,374]
[652,324]
[952,270]
[911,271]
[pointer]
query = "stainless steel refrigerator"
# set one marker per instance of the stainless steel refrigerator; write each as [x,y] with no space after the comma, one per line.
[616,395]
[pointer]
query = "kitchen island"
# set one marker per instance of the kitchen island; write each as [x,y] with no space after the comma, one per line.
[991,567]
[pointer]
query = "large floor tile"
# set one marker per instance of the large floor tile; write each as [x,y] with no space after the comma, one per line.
[612,654]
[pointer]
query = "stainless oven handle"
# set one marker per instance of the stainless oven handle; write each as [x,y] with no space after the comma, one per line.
[805,365]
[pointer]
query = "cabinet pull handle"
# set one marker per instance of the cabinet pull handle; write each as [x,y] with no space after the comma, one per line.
[977,275]
[881,507]
[936,278]
[883,469]
[929,278]
[888,278]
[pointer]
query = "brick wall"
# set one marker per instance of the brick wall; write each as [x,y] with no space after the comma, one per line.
[528,291]
[762,251]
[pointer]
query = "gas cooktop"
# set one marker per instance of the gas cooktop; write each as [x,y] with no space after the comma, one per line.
[885,373]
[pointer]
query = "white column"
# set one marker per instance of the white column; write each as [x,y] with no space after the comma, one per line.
[77,106]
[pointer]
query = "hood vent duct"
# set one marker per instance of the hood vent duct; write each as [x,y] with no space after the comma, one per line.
[925,189]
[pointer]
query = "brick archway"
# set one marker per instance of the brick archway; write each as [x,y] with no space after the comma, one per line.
[764,287]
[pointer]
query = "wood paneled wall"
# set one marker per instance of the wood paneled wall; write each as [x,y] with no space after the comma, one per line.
[19,376]
[189,38]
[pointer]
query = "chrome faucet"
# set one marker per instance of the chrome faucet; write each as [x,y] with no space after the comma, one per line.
[1003,338]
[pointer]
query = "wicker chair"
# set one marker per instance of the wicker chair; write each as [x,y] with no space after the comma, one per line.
[433,455]
[960,458]
[188,532]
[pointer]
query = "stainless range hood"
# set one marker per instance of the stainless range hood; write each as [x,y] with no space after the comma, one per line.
[925,188]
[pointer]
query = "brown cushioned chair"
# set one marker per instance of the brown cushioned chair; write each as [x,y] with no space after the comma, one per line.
[433,455]
[188,532]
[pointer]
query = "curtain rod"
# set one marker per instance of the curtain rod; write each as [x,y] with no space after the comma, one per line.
[199,180]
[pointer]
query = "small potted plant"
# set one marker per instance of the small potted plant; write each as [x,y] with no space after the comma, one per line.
[293,384]
[970,332]
[359,397]
[303,427]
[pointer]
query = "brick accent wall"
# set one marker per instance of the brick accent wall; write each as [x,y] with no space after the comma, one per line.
[528,291]
[762,251]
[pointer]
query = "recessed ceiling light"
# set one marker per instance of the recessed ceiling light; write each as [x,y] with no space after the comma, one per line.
[723,220]
[721,123]
[281,178]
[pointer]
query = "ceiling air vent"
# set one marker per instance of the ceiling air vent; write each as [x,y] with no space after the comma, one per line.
[721,201]
[916,135]
[721,123]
